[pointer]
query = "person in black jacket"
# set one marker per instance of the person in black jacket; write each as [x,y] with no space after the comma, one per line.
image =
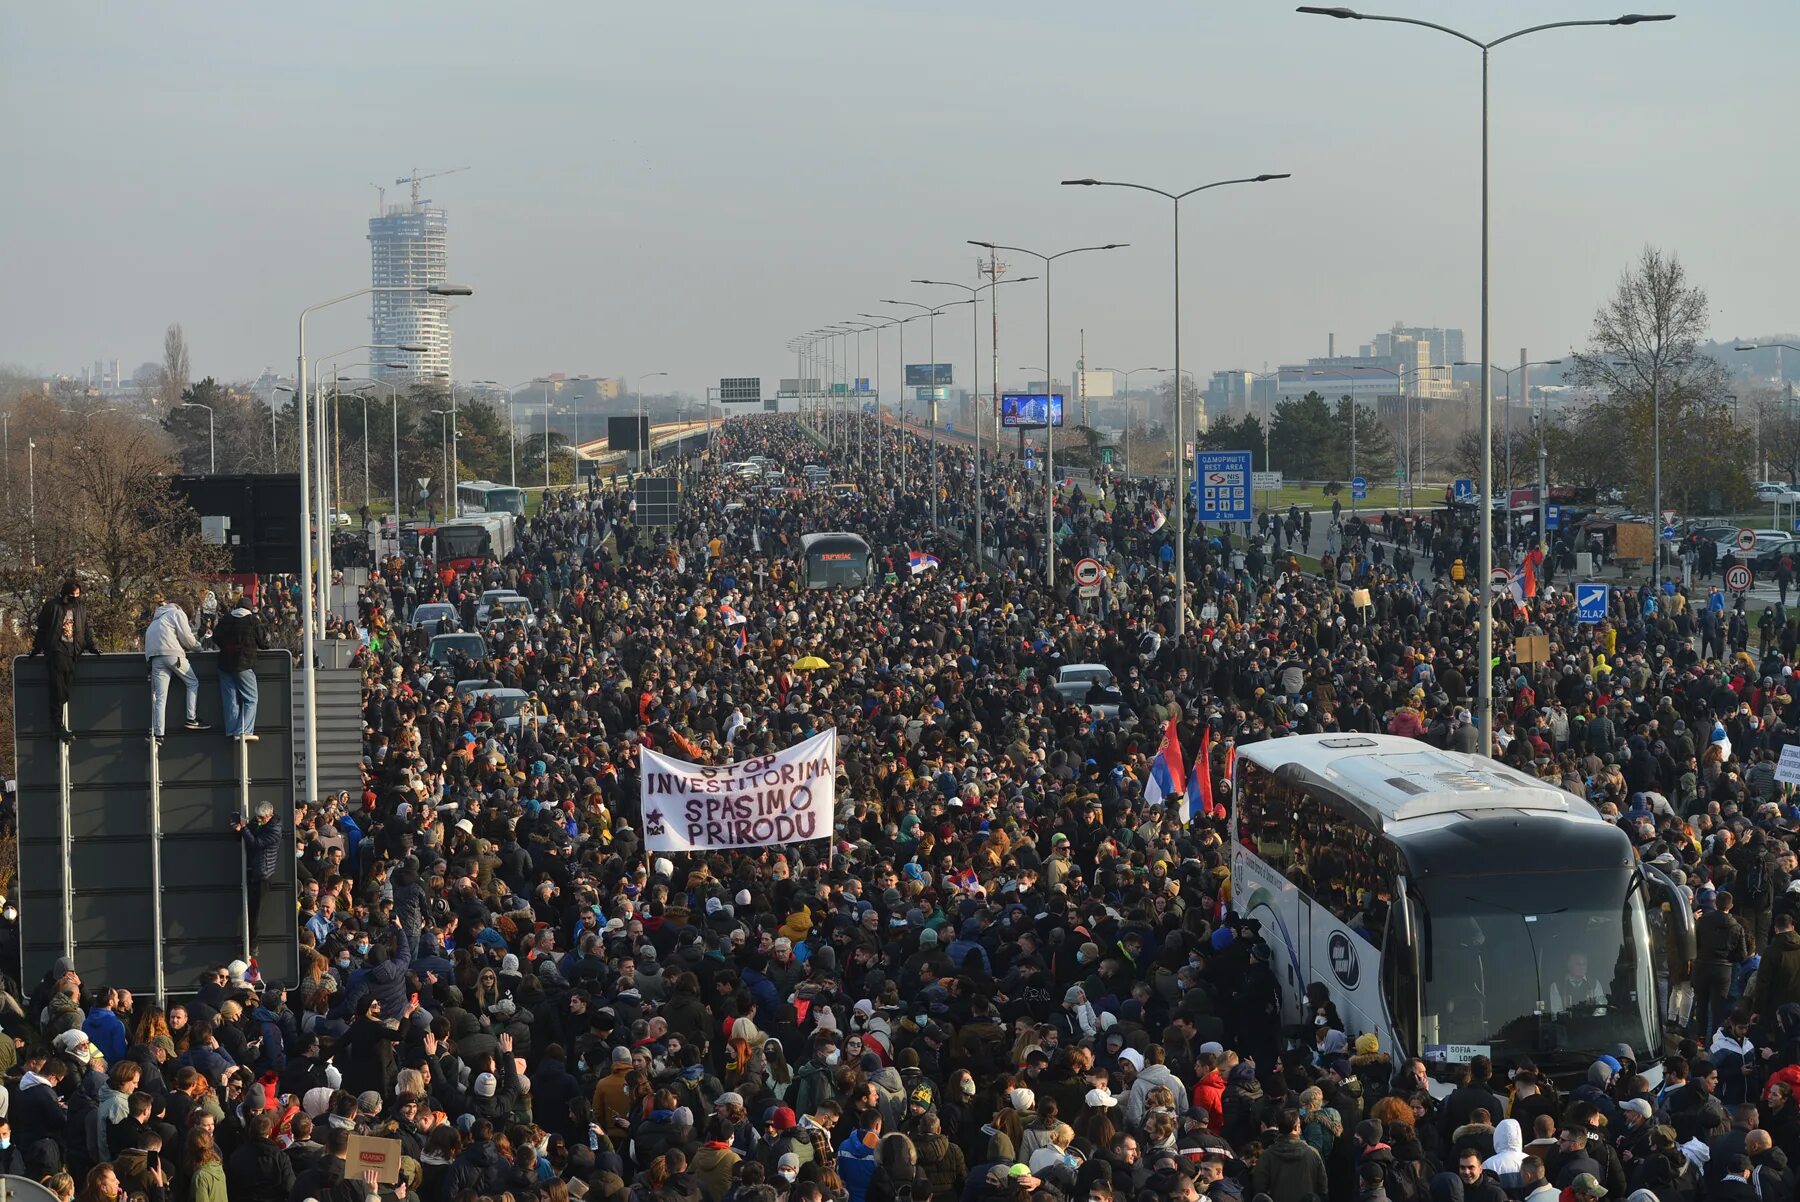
[259,1171]
[63,637]
[239,636]
[1720,945]
[262,852]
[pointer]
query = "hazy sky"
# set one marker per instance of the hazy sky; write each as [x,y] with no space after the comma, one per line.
[685,186]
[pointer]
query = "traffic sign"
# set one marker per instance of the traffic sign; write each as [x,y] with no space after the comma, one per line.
[1591,602]
[1746,539]
[1463,490]
[1087,575]
[1668,534]
[1553,517]
[1222,486]
[1359,489]
[1500,580]
[1739,578]
[1265,481]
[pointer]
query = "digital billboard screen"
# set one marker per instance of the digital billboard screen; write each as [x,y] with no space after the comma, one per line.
[1025,410]
[918,375]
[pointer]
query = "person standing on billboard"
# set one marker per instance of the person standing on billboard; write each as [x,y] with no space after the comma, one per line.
[63,637]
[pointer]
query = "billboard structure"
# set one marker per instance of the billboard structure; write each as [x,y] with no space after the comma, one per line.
[740,390]
[127,856]
[256,517]
[658,501]
[1025,410]
[630,433]
[928,375]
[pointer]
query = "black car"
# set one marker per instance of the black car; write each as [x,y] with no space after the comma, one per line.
[1769,558]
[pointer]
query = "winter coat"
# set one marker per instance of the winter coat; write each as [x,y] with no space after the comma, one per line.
[941,1163]
[169,633]
[1290,1171]
[1778,979]
[238,637]
[856,1165]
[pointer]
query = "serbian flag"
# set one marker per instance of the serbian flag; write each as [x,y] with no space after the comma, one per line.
[921,562]
[1157,519]
[1166,777]
[1199,790]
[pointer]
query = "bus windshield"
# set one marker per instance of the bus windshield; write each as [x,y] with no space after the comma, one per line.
[462,542]
[1551,965]
[840,561]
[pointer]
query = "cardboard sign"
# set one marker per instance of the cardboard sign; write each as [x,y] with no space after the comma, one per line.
[1532,649]
[368,1152]
[1788,770]
[1359,597]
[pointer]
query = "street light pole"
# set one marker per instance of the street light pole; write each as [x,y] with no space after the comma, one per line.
[642,437]
[1050,400]
[930,313]
[974,291]
[1485,641]
[307,657]
[1127,400]
[1180,446]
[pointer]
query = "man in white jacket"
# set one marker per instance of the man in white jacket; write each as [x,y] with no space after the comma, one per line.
[167,641]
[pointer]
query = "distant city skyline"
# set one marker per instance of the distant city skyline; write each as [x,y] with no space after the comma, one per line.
[672,204]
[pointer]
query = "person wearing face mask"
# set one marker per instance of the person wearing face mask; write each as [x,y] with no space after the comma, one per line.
[813,1082]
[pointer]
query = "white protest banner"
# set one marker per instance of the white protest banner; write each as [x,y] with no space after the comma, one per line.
[1788,770]
[788,797]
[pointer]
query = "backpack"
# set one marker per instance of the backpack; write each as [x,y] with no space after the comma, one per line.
[1755,880]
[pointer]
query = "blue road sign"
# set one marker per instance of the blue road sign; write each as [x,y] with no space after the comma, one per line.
[1222,486]
[1553,517]
[1591,601]
[1359,489]
[1463,490]
[1668,534]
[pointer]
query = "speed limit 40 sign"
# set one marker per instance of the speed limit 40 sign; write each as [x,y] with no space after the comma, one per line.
[1739,578]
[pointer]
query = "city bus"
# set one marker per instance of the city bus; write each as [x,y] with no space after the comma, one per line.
[834,560]
[1453,906]
[484,496]
[464,543]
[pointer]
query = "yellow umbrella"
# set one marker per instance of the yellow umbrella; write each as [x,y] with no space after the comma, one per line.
[810,663]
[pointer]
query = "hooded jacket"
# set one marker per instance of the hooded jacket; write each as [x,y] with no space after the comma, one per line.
[1152,1076]
[239,636]
[1290,1171]
[169,633]
[1509,1154]
[856,1165]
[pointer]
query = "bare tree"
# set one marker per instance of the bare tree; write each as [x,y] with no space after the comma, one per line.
[1645,343]
[175,371]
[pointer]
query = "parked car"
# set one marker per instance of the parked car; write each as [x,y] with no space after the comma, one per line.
[431,613]
[1768,558]
[1770,491]
[443,646]
[1075,683]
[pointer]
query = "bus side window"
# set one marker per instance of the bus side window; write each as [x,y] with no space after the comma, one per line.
[1399,980]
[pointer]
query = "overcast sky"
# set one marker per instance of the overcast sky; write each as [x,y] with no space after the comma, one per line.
[685,186]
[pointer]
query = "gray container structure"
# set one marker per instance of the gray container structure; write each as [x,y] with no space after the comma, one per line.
[127,858]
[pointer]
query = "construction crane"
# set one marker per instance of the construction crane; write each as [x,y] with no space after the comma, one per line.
[415,179]
[380,198]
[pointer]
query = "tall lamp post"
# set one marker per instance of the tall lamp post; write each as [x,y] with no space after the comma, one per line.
[512,429]
[642,436]
[1506,438]
[975,291]
[1175,199]
[930,313]
[1127,398]
[308,627]
[899,324]
[1049,399]
[1485,643]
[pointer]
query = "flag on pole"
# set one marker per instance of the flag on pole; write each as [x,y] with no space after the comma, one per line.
[1157,519]
[1230,764]
[1199,791]
[921,562]
[1166,777]
[1534,560]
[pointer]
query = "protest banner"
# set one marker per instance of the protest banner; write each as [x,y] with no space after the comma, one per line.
[787,797]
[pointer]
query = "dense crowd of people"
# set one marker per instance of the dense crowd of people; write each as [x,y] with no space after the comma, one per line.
[1006,976]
